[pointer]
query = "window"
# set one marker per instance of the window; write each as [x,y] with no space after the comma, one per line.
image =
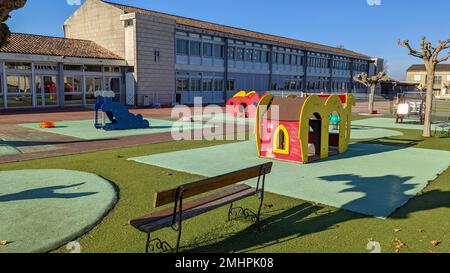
[182,47]
[93,68]
[417,78]
[46,90]
[287,59]
[93,85]
[195,48]
[265,57]
[218,85]
[207,85]
[257,56]
[230,85]
[218,51]
[129,23]
[195,85]
[73,93]
[281,140]
[248,55]
[438,80]
[240,54]
[18,66]
[182,85]
[280,58]
[207,50]
[19,91]
[72,67]
[231,53]
[46,67]
[448,78]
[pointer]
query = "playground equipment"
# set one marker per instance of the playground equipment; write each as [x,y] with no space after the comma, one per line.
[243,104]
[47,124]
[119,116]
[298,129]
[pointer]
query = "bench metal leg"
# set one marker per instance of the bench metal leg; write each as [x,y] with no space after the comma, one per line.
[230,212]
[179,237]
[147,244]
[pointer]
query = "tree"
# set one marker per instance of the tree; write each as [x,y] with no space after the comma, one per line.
[371,82]
[5,9]
[430,56]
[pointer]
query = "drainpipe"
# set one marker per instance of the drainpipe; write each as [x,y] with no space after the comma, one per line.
[270,67]
[225,84]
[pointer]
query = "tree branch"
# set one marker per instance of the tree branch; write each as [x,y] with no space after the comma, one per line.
[412,51]
[444,59]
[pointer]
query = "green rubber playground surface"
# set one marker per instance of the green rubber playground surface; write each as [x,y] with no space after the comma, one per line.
[41,210]
[370,133]
[390,123]
[84,129]
[8,150]
[224,118]
[370,179]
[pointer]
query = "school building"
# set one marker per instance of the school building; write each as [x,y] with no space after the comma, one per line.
[148,57]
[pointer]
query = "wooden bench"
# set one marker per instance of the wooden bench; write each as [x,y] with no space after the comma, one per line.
[227,191]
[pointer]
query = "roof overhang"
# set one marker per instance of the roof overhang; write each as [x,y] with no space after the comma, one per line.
[59,59]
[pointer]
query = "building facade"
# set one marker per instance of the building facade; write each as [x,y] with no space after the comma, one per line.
[418,74]
[150,57]
[175,59]
[39,72]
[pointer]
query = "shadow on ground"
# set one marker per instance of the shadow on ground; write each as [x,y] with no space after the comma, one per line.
[308,218]
[45,193]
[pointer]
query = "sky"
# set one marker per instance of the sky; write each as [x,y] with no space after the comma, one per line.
[371,27]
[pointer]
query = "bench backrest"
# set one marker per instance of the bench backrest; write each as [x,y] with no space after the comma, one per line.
[210,184]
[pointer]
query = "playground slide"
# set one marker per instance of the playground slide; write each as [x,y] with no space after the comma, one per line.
[118,115]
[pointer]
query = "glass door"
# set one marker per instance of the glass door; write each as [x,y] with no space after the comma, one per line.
[113,84]
[46,91]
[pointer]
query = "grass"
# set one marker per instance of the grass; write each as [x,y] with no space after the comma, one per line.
[291,225]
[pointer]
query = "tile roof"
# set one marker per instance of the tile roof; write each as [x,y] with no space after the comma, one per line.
[54,46]
[421,67]
[237,31]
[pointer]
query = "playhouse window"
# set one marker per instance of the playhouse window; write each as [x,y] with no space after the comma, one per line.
[281,140]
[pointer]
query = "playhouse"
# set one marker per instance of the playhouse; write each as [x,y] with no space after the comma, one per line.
[298,129]
[243,104]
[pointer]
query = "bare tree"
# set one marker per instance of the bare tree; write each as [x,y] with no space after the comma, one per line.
[6,7]
[430,56]
[371,82]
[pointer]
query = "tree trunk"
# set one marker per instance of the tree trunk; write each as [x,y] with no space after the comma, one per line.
[429,100]
[373,88]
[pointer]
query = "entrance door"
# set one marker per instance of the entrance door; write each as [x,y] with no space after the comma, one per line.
[46,91]
[113,84]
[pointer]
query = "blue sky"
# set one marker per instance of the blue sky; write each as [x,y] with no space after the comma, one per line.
[358,26]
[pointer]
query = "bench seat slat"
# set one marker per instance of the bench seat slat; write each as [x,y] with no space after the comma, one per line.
[165,219]
[155,216]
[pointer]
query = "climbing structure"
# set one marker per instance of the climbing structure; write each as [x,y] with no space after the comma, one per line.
[243,104]
[118,115]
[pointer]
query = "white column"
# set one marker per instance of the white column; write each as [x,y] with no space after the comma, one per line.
[83,86]
[33,87]
[5,85]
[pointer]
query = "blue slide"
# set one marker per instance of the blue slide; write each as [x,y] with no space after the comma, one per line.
[119,116]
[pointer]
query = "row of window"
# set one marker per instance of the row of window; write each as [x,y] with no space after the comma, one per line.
[209,50]
[87,68]
[197,85]
[19,92]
